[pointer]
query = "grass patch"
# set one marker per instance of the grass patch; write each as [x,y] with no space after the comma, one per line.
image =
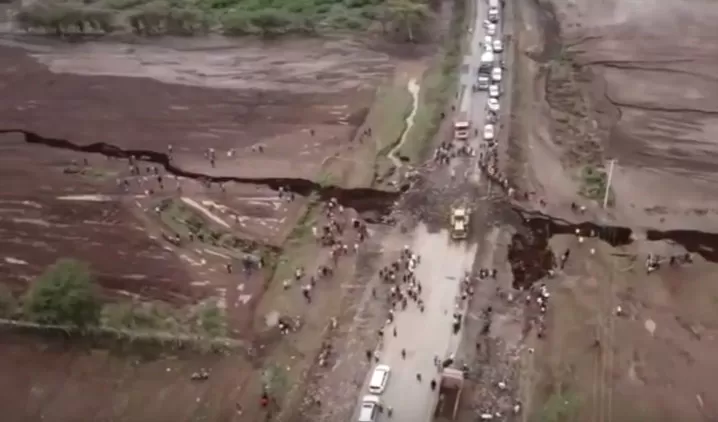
[140,316]
[388,122]
[437,89]
[300,235]
[388,118]
[561,406]
[206,319]
[593,184]
[327,178]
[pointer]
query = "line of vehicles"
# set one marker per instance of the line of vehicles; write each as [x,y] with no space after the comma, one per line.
[451,382]
[489,78]
[491,72]
[371,405]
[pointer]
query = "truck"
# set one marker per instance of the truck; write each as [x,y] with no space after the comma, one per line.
[451,384]
[459,223]
[461,127]
[486,64]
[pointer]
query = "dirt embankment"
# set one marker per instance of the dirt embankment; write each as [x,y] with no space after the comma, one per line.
[630,81]
[614,79]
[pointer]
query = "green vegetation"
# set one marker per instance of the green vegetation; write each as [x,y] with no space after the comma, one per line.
[206,319]
[64,295]
[232,17]
[189,224]
[293,246]
[326,179]
[388,119]
[593,184]
[561,406]
[211,320]
[140,316]
[437,88]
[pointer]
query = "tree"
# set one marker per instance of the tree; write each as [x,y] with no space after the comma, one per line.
[409,14]
[270,21]
[65,295]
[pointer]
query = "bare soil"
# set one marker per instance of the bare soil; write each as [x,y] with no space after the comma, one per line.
[629,81]
[303,101]
[56,380]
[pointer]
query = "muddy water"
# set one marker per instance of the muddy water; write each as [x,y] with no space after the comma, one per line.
[414,89]
[531,257]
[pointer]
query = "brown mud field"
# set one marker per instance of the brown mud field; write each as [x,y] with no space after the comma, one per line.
[193,95]
[107,146]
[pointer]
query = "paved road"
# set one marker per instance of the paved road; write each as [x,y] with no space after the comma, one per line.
[443,264]
[429,334]
[474,103]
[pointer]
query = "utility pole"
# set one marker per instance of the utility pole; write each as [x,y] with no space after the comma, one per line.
[608,183]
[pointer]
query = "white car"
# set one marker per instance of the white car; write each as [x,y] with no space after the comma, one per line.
[379,378]
[489,132]
[488,44]
[497,74]
[494,105]
[369,411]
[498,46]
[494,91]
[494,14]
[491,29]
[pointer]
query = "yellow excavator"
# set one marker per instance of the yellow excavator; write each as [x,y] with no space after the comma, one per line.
[459,223]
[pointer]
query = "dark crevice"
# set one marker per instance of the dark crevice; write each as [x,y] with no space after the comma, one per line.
[363,200]
[531,257]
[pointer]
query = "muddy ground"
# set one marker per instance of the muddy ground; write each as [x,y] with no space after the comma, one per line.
[194,95]
[629,81]
[162,226]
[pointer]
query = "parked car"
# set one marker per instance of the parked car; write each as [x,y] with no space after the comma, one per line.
[498,46]
[493,105]
[494,91]
[493,14]
[489,132]
[379,378]
[491,29]
[497,74]
[369,411]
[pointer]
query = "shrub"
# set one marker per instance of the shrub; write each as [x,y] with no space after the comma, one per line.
[65,295]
